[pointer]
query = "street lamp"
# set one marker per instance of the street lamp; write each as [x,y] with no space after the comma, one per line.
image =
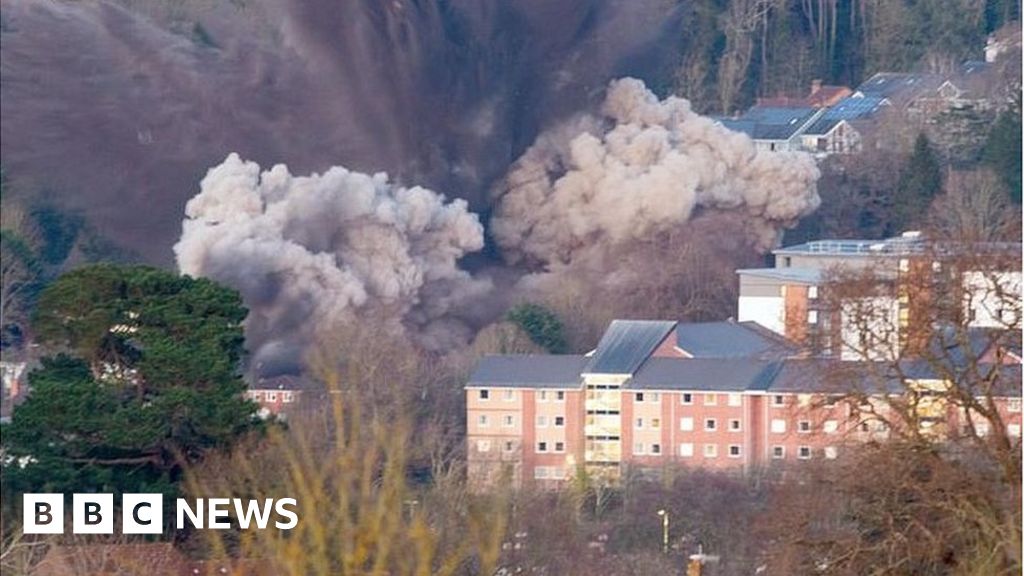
[664,530]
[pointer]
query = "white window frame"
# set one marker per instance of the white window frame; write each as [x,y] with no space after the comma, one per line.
[655,424]
[508,421]
[778,426]
[713,425]
[800,452]
[1013,430]
[830,427]
[638,423]
[287,397]
[738,423]
[686,450]
[560,396]
[800,427]
[558,450]
[739,451]
[655,449]
[542,447]
[483,421]
[778,452]
[710,399]
[638,448]
[484,395]
[542,421]
[686,424]
[559,418]
[653,397]
[710,451]
[812,316]
[542,396]
[778,400]
[271,396]
[510,446]
[508,395]
[638,397]
[735,400]
[683,398]
[1013,405]
[483,445]
[831,452]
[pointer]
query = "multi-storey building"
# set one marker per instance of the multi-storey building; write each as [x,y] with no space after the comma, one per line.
[912,285]
[655,394]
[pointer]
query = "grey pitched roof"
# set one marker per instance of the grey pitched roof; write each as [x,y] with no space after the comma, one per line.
[898,85]
[770,122]
[284,382]
[626,344]
[824,376]
[703,374]
[731,340]
[528,371]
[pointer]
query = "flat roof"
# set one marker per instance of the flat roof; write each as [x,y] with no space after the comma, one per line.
[800,275]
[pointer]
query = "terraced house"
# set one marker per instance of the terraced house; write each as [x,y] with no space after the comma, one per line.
[723,395]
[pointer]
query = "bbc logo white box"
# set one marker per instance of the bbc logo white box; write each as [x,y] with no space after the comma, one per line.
[142,514]
[43,514]
[92,513]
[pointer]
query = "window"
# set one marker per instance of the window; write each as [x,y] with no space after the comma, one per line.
[548,473]
[864,427]
[639,397]
[653,397]
[542,446]
[656,449]
[271,396]
[778,452]
[559,446]
[482,421]
[559,421]
[831,452]
[686,450]
[1013,405]
[786,261]
[904,265]
[485,394]
[778,400]
[830,401]
[711,450]
[639,423]
[686,424]
[734,425]
[508,395]
[483,445]
[508,421]
[812,316]
[804,426]
[735,451]
[735,400]
[560,396]
[686,398]
[542,396]
[981,428]
[803,452]
[1013,430]
[638,448]
[812,292]
[778,426]
[804,399]
[710,399]
[509,446]
[542,421]
[710,424]
[830,426]
[656,423]
[287,397]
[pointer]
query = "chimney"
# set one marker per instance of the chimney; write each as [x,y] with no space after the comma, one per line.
[815,86]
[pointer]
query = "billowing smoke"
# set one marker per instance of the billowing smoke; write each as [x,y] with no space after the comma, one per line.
[310,252]
[644,166]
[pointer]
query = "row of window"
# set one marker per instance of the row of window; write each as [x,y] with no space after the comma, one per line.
[485,446]
[509,421]
[286,397]
[542,447]
[686,424]
[509,395]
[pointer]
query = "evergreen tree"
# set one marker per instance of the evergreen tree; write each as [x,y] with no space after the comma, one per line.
[920,181]
[152,384]
[541,325]
[1003,149]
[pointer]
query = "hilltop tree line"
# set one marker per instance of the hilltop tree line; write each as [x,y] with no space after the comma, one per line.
[735,50]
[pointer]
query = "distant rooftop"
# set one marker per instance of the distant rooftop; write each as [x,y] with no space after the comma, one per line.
[896,85]
[701,374]
[626,344]
[770,122]
[798,275]
[908,243]
[849,108]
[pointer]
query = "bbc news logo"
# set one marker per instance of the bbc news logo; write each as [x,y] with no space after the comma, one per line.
[143,513]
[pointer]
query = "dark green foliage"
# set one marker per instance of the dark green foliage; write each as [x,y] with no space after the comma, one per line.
[153,382]
[59,231]
[541,325]
[920,181]
[1003,149]
[202,37]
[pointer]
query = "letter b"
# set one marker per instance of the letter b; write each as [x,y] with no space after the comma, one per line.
[43,513]
[93,514]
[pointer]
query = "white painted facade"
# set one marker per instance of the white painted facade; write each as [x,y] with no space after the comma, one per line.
[768,311]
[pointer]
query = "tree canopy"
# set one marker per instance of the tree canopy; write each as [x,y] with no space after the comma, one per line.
[541,325]
[149,382]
